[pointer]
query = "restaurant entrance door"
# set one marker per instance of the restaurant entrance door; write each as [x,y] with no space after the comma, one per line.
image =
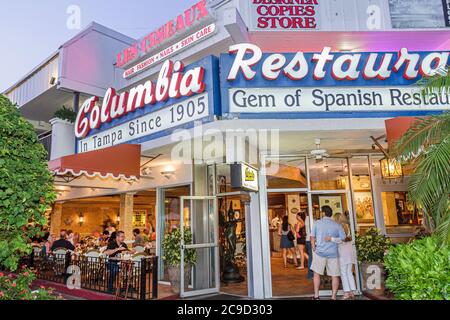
[199,257]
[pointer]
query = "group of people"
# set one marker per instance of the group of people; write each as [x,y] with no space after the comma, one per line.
[113,242]
[327,247]
[71,241]
[67,239]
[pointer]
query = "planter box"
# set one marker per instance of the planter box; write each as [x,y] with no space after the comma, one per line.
[174,277]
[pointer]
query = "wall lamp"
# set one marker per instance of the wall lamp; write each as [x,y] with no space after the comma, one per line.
[80,219]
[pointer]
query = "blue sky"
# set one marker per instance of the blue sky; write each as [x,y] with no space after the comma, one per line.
[32,30]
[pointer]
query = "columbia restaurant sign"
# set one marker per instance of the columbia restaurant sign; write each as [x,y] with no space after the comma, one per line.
[298,84]
[179,97]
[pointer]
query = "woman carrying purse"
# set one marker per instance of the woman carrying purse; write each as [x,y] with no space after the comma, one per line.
[287,240]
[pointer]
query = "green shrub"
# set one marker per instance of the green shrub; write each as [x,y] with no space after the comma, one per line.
[26,185]
[372,246]
[419,270]
[172,248]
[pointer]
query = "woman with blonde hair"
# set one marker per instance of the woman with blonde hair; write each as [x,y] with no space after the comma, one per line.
[347,257]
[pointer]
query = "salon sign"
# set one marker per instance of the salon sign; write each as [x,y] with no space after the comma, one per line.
[298,84]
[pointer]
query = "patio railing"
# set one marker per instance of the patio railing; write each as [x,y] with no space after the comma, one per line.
[46,140]
[136,280]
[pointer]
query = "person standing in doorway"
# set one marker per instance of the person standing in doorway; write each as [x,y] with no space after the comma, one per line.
[287,240]
[300,231]
[347,257]
[325,253]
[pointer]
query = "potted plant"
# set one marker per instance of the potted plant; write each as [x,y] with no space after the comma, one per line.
[372,248]
[172,257]
[65,114]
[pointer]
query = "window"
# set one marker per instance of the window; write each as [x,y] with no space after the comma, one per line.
[362,194]
[286,173]
[329,174]
[400,214]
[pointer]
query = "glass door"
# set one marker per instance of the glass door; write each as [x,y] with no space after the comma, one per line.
[169,206]
[200,253]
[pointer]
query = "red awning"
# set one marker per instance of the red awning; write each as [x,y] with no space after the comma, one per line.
[397,127]
[119,162]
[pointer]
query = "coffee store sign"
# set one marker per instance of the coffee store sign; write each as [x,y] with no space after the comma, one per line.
[298,83]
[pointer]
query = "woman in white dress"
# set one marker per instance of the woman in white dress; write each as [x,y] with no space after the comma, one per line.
[347,257]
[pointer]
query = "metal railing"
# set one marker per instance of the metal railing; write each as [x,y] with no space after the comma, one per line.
[46,140]
[134,279]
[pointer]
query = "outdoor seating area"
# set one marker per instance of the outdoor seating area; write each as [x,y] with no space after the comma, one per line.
[126,277]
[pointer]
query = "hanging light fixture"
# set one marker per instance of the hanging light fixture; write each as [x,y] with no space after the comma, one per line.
[391,169]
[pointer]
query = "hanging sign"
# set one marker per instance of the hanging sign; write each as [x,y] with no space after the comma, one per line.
[244,176]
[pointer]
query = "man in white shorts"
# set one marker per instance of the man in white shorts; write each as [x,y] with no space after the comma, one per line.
[325,254]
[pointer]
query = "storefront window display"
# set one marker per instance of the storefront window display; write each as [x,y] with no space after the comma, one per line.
[362,193]
[402,219]
[232,204]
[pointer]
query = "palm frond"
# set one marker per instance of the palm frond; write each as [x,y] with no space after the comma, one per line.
[429,185]
[423,133]
[442,232]
[439,83]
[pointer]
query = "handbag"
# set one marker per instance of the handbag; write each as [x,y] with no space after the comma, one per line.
[290,236]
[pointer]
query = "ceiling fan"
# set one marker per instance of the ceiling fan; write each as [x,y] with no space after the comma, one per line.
[318,153]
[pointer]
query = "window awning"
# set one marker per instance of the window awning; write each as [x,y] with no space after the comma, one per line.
[118,162]
[397,127]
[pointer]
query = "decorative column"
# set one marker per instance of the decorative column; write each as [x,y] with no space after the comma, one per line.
[126,214]
[63,138]
[56,219]
[254,247]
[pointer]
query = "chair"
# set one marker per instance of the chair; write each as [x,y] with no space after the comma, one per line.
[94,266]
[92,253]
[60,251]
[36,250]
[59,255]
[139,249]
